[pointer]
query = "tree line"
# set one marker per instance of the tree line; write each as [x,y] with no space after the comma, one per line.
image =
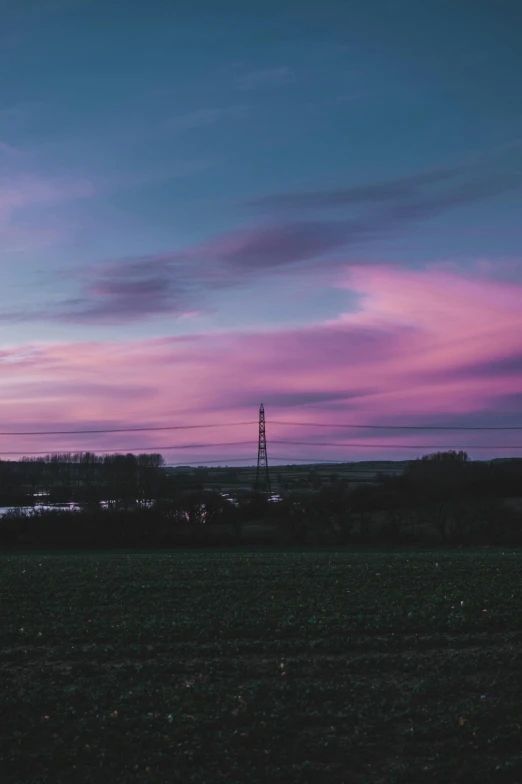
[443,498]
[82,477]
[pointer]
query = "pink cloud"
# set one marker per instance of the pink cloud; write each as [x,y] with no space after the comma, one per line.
[420,350]
[459,319]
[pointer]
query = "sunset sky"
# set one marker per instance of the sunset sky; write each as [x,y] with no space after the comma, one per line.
[209,205]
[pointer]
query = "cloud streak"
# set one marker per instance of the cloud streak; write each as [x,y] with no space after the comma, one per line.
[375,193]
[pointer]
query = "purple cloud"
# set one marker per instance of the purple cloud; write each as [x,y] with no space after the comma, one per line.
[293,399]
[503,366]
[277,245]
[375,193]
[431,205]
[132,289]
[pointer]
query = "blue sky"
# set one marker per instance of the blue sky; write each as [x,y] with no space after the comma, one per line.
[179,169]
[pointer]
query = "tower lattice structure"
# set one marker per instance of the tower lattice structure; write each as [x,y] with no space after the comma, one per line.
[262,475]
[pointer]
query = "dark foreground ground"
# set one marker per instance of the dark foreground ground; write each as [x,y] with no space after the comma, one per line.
[257,666]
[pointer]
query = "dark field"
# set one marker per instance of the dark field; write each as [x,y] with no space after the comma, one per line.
[261,667]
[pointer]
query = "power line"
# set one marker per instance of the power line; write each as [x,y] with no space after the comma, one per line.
[253,465]
[388,427]
[253,422]
[208,462]
[396,446]
[119,430]
[118,450]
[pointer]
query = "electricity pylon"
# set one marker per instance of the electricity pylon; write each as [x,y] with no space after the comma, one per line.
[262,460]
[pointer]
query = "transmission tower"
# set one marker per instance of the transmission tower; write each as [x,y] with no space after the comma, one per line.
[262,460]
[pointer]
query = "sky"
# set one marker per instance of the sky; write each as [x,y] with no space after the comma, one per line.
[312,205]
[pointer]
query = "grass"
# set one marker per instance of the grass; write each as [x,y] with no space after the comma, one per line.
[255,666]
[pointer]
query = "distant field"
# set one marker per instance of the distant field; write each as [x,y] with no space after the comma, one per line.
[291,476]
[257,666]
